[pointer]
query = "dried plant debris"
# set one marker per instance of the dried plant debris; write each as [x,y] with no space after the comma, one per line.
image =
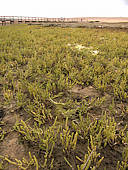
[1,113]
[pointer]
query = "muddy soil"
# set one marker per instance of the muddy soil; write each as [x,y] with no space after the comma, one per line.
[100,25]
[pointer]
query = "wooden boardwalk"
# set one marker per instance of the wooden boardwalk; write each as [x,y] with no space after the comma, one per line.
[4,20]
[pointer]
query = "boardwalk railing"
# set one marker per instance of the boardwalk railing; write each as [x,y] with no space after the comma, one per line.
[21,19]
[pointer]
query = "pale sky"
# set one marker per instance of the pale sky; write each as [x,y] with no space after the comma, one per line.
[64,8]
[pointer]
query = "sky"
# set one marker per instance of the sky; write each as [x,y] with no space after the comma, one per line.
[64,8]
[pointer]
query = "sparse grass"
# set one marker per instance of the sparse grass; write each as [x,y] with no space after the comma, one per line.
[38,69]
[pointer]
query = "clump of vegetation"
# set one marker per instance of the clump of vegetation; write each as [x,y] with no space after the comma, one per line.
[64,128]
